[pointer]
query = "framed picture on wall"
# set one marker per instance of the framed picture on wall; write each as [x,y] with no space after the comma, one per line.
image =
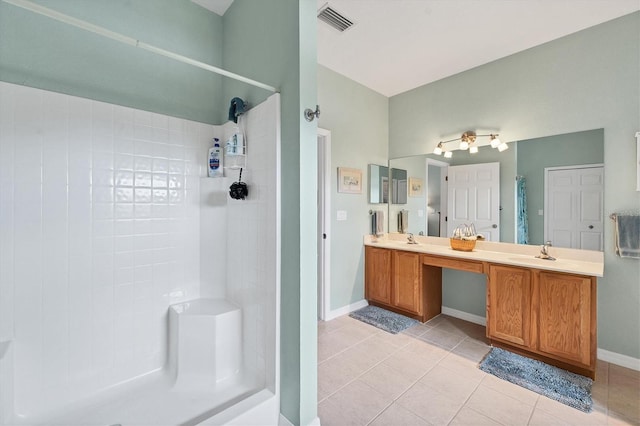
[349,180]
[415,187]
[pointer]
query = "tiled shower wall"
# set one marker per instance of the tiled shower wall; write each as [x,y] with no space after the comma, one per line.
[248,242]
[99,234]
[252,240]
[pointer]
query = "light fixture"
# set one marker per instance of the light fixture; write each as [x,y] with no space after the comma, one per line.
[468,142]
[438,149]
[495,142]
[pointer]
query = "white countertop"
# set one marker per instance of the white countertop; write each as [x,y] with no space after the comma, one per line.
[573,261]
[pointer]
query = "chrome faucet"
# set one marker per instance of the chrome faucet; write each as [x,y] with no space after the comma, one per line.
[544,252]
[411,239]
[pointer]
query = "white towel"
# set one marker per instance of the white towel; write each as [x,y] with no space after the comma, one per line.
[627,235]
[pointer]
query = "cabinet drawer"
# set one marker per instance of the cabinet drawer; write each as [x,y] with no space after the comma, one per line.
[459,264]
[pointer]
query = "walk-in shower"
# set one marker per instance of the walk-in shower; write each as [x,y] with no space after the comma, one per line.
[134,289]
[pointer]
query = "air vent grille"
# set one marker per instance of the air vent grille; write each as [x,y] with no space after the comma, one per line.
[335,19]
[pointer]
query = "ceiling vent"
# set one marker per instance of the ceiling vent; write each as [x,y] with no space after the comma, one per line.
[334,18]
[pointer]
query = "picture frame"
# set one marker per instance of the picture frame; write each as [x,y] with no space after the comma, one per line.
[415,187]
[349,180]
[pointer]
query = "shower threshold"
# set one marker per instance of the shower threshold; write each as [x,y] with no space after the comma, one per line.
[152,400]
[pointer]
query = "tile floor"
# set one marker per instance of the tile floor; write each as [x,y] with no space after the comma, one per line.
[428,375]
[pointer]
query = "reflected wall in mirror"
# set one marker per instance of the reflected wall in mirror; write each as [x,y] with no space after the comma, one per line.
[398,186]
[529,159]
[378,184]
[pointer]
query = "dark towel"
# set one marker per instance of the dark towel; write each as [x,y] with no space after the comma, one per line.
[236,108]
[627,235]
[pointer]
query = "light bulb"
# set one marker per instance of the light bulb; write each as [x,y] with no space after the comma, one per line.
[473,149]
[464,145]
[502,147]
[495,142]
[448,154]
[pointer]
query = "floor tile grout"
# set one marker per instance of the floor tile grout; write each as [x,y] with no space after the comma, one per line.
[468,337]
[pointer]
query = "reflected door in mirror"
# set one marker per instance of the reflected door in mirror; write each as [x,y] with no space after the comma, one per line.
[574,207]
[474,198]
[378,184]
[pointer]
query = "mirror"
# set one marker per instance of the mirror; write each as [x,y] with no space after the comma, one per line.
[527,158]
[378,184]
[398,186]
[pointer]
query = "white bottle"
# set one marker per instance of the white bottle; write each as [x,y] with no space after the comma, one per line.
[215,158]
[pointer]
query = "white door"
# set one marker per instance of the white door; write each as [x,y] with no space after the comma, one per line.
[574,207]
[473,196]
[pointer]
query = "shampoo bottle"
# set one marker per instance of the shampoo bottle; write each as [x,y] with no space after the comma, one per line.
[215,168]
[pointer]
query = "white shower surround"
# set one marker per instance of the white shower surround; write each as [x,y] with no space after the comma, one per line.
[106,219]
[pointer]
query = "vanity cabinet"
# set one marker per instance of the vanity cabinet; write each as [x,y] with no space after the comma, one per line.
[377,275]
[552,315]
[398,281]
[406,291]
[536,312]
[509,304]
[567,316]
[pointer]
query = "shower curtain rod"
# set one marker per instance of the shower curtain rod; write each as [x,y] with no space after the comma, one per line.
[41,10]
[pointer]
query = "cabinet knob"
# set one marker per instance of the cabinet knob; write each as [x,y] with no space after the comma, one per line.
[590,226]
[494,226]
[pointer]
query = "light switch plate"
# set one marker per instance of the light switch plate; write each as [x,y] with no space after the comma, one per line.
[540,212]
[341,215]
[420,213]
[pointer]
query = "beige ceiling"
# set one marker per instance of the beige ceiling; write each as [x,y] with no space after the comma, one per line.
[397,45]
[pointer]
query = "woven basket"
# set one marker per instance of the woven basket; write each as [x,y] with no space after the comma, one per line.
[462,245]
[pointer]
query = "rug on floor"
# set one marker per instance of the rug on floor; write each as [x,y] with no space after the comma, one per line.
[569,388]
[383,319]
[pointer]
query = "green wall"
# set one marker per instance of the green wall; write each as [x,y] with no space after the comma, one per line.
[587,80]
[358,120]
[561,150]
[39,52]
[274,42]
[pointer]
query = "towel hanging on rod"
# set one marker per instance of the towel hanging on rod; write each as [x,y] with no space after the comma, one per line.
[627,233]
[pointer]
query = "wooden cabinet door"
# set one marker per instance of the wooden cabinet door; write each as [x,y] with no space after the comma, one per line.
[377,275]
[406,289]
[566,316]
[509,304]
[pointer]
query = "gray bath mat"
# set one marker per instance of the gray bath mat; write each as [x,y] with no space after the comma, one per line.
[383,319]
[569,388]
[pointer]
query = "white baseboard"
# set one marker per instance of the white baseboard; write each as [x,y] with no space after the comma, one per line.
[603,354]
[619,359]
[346,309]
[476,319]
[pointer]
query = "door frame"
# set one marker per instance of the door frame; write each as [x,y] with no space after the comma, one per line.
[546,190]
[443,193]
[324,223]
